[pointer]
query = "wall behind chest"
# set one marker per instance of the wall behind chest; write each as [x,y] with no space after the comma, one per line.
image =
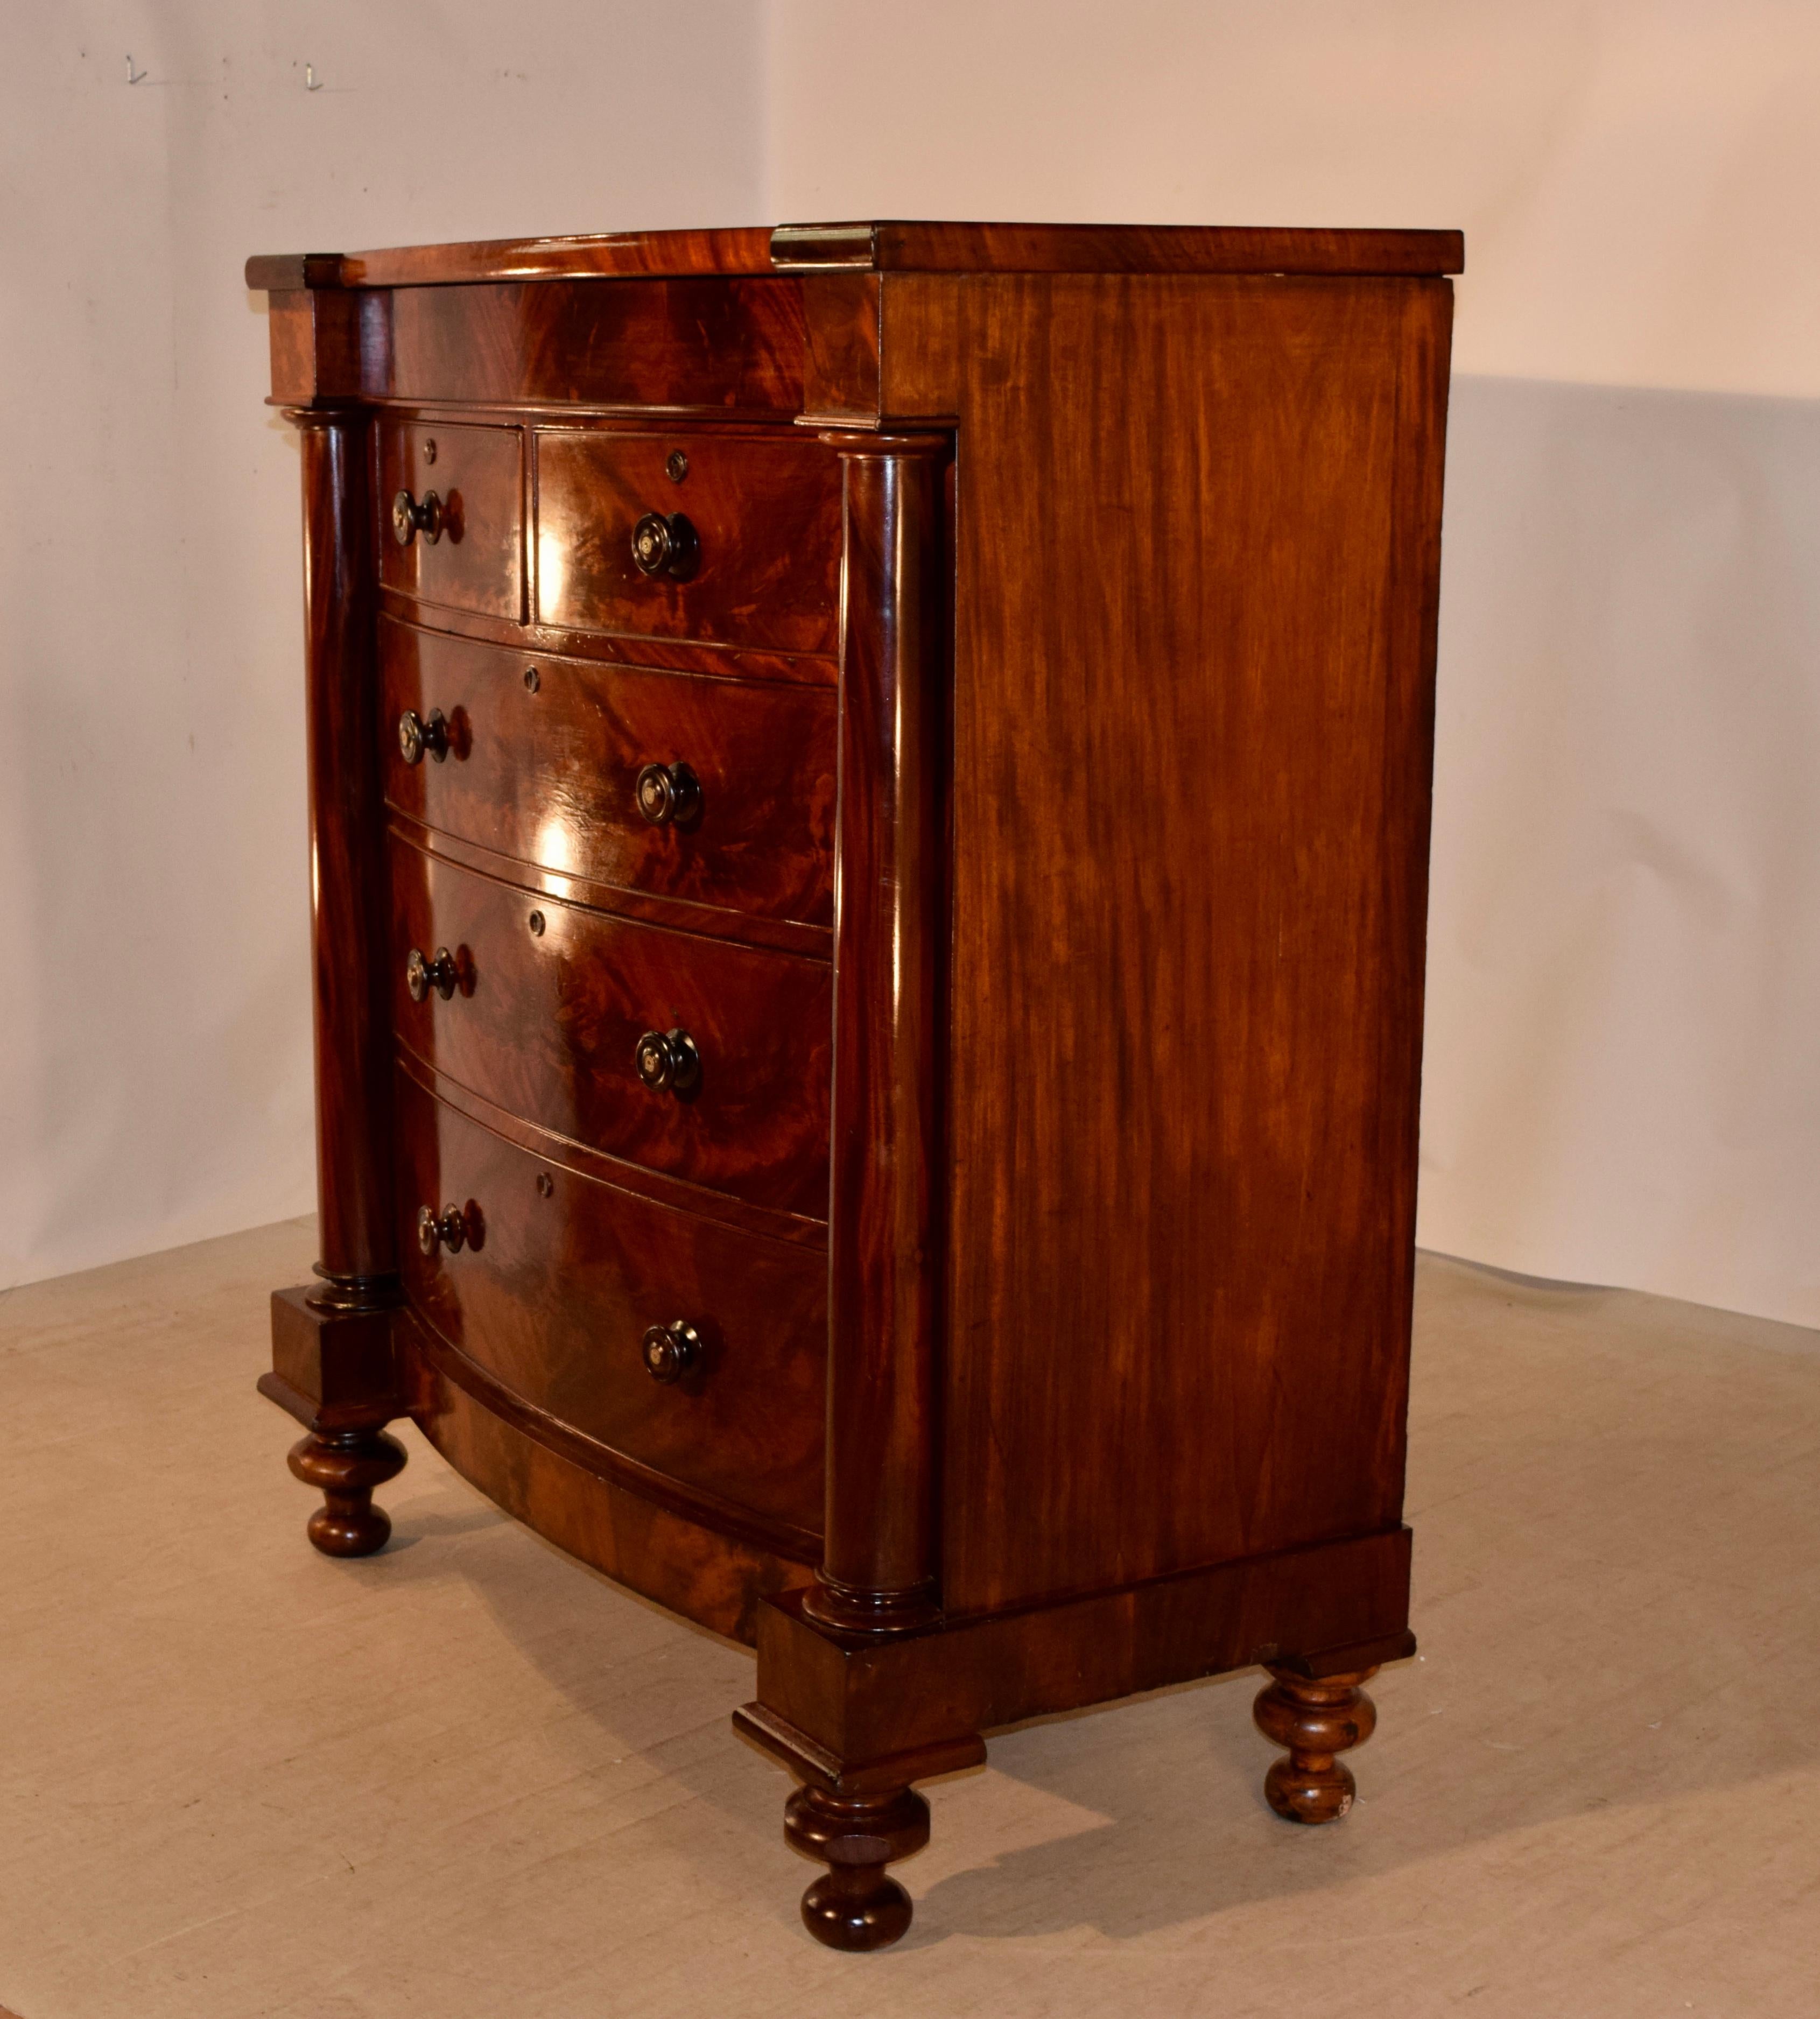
[1621,1085]
[154,993]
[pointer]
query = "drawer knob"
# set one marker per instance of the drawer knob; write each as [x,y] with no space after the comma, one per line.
[409,518]
[421,976]
[665,546]
[418,734]
[667,1061]
[447,1229]
[671,1350]
[667,794]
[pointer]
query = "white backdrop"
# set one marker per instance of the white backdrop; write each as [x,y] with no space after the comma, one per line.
[1623,1075]
[1622,1084]
[155,985]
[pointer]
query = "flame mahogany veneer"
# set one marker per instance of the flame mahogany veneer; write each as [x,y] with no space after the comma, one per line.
[869,799]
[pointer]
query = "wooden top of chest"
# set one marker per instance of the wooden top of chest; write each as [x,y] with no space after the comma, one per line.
[925,246]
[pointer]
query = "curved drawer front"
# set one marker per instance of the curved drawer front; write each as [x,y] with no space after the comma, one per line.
[545,769]
[554,1298]
[762,564]
[468,553]
[547,1004]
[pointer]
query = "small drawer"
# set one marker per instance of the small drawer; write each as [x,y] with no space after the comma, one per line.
[558,1278]
[755,560]
[542,1007]
[451,515]
[541,758]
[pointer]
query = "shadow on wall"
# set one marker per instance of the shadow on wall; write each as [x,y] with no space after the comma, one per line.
[1621,1085]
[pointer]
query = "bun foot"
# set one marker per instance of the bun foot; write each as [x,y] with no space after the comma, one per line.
[346,1465]
[1314,1721]
[856,1905]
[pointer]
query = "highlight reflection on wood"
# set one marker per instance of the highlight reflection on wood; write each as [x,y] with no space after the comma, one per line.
[870,787]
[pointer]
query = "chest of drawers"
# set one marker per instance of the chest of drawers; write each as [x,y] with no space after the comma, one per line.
[869,793]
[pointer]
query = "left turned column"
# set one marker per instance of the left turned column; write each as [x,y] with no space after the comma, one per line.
[332,1361]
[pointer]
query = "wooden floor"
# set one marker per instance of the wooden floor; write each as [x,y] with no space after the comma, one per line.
[467,1778]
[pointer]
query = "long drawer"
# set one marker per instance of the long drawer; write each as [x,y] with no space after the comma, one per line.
[558,1278]
[543,1007]
[543,758]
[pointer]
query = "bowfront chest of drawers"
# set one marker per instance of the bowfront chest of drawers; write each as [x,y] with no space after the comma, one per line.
[869,795]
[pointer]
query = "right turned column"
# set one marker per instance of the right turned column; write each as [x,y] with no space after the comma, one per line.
[879,1571]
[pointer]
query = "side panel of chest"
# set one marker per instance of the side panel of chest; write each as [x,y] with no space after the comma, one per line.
[1191,747]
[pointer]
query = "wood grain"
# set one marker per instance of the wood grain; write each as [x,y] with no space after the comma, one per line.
[552,1300]
[868,1698]
[1195,667]
[546,750]
[478,473]
[716,1580]
[765,508]
[1053,1247]
[553,999]
[716,346]
[902,246]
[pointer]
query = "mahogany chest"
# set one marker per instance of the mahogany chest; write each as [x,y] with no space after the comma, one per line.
[869,800]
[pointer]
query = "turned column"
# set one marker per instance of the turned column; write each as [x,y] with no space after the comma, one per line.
[1314,1720]
[348,1307]
[878,1573]
[878,1568]
[354,1187]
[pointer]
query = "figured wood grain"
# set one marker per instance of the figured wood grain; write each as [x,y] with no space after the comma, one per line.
[734,347]
[1094,1377]
[675,655]
[315,347]
[554,1297]
[546,750]
[716,1580]
[477,563]
[766,511]
[899,245]
[553,999]
[564,1153]
[679,915]
[1194,668]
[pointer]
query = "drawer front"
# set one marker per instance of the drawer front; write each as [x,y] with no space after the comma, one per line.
[763,530]
[471,557]
[548,771]
[548,1004]
[554,1299]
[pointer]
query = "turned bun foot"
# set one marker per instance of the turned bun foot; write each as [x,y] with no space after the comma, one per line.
[346,1465]
[1313,1722]
[856,1905]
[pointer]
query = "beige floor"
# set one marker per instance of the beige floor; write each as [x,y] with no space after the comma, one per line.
[468,1779]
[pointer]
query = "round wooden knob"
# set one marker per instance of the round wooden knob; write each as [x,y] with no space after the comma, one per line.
[447,1229]
[671,1350]
[409,518]
[421,976]
[418,734]
[667,1061]
[661,545]
[667,793]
